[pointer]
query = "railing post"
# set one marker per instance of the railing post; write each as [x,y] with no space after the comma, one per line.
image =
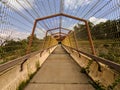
[31,38]
[44,43]
[76,43]
[91,44]
[69,40]
[45,40]
[90,38]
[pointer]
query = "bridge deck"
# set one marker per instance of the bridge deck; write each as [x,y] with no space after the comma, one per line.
[59,72]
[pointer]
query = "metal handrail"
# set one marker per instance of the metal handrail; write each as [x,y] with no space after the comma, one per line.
[20,60]
[110,64]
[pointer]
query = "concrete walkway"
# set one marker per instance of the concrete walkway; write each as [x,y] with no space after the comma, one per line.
[59,72]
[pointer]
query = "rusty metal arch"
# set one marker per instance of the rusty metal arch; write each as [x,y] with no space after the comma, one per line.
[69,30]
[65,15]
[60,14]
[59,33]
[58,28]
[47,31]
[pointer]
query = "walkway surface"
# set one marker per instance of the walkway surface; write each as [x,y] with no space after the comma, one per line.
[59,72]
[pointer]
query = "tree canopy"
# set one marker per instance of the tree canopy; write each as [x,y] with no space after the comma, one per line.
[104,30]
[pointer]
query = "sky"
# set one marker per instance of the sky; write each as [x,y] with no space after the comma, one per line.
[20,14]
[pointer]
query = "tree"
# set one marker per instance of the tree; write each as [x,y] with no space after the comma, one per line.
[81,31]
[104,30]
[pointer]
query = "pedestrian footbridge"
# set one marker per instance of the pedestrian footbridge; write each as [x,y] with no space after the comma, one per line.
[59,44]
[60,72]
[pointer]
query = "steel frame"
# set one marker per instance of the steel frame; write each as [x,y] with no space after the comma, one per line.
[68,16]
[51,34]
[58,33]
[49,30]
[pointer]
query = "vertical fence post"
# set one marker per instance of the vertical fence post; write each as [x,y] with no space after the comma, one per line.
[90,38]
[43,46]
[44,43]
[76,42]
[91,43]
[69,41]
[31,38]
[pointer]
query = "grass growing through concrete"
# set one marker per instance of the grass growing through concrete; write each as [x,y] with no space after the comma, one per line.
[24,83]
[83,70]
[111,87]
[97,85]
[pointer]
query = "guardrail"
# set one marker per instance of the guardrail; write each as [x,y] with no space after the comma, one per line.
[20,60]
[110,64]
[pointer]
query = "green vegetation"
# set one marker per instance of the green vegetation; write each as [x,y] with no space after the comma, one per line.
[97,85]
[12,49]
[86,69]
[83,70]
[37,65]
[88,66]
[24,83]
[104,48]
[106,39]
[111,87]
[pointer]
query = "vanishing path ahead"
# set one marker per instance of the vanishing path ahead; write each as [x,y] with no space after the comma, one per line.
[59,72]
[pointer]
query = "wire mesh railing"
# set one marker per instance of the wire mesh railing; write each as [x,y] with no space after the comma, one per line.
[104,23]
[105,37]
[17,19]
[16,22]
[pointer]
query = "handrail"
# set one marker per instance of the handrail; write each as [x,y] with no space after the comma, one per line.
[22,59]
[111,64]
